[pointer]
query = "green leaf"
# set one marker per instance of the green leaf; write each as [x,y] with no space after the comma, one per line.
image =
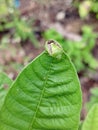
[45,96]
[85,8]
[80,125]
[94,91]
[5,82]
[93,98]
[91,121]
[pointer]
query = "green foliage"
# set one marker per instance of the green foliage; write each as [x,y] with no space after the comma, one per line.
[80,125]
[84,8]
[24,31]
[94,8]
[21,30]
[45,96]
[19,26]
[91,121]
[5,7]
[93,98]
[80,52]
[5,82]
[87,6]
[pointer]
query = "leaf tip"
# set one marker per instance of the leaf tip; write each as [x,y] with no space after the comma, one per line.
[54,49]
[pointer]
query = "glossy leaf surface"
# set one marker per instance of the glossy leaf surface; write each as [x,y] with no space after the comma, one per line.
[45,96]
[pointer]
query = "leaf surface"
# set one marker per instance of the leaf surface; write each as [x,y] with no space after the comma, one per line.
[5,82]
[91,121]
[45,96]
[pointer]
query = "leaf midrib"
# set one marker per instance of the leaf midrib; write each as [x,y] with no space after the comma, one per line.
[40,99]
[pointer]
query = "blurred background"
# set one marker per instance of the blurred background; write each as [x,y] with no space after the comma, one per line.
[26,25]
